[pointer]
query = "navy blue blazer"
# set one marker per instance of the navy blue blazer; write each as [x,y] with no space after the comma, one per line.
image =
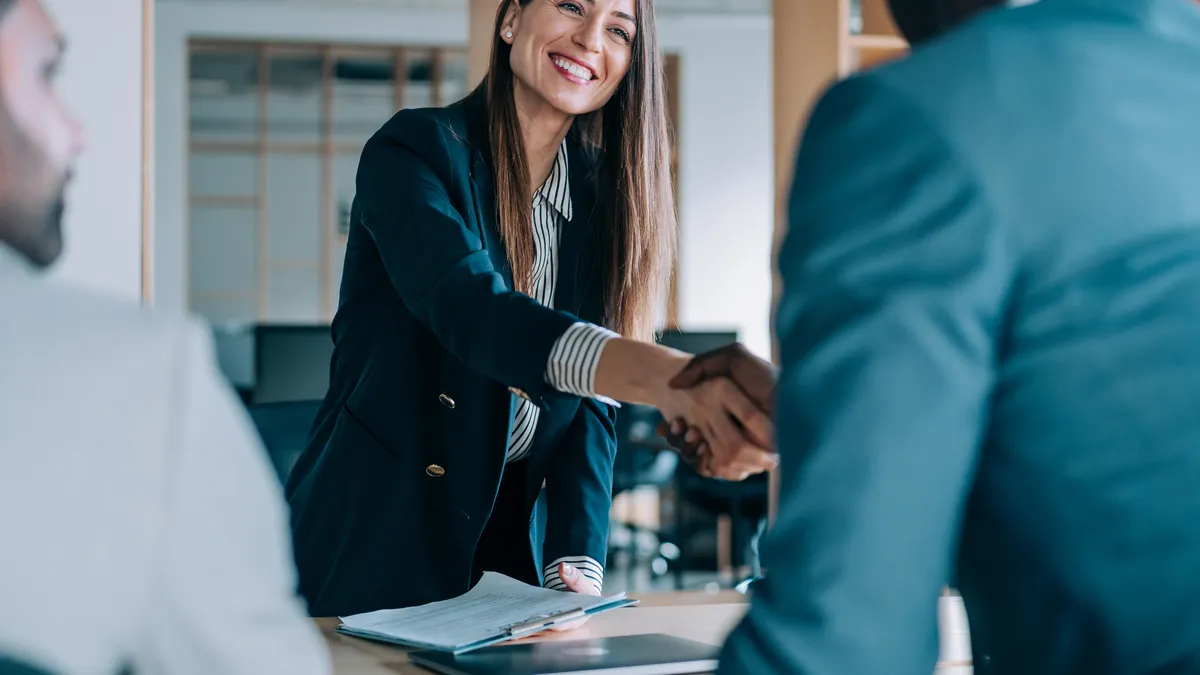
[406,461]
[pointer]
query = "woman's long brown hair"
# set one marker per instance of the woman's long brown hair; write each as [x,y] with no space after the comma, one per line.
[636,202]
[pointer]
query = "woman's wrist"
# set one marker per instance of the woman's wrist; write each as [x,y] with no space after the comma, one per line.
[637,372]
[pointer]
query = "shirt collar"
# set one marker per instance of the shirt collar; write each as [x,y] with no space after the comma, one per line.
[557,188]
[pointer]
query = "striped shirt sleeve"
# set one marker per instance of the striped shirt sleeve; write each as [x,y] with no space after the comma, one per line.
[592,572]
[574,358]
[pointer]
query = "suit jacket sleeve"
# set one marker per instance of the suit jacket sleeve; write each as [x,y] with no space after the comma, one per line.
[225,595]
[439,266]
[895,278]
[579,494]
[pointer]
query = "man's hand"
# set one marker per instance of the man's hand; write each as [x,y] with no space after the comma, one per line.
[756,377]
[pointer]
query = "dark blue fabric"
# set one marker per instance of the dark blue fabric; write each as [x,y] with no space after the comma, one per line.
[284,428]
[11,666]
[990,349]
[427,316]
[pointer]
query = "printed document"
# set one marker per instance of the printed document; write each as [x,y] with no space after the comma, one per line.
[497,609]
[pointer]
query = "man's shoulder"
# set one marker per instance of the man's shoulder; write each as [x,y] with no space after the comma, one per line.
[961,66]
[1008,69]
[81,366]
[74,322]
[1008,60]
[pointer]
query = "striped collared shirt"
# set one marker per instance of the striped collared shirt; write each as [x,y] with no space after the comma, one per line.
[574,357]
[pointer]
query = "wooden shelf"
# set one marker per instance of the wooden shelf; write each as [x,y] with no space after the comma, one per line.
[888,42]
[868,51]
[876,17]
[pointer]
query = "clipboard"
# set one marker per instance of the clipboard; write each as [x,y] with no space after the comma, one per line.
[496,610]
[539,625]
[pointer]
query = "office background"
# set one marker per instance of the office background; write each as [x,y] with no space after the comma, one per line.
[725,145]
[223,138]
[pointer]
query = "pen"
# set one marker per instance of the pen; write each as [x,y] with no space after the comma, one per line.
[546,622]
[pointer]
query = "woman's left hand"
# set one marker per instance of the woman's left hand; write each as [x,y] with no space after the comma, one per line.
[576,583]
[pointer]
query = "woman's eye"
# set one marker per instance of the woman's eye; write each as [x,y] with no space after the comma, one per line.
[571,7]
[623,34]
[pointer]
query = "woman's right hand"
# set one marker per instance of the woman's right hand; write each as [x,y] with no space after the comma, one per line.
[740,437]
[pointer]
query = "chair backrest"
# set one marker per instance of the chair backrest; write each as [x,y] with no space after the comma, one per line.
[284,428]
[643,458]
[11,666]
[697,342]
[291,363]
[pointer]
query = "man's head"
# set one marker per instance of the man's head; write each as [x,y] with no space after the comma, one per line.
[39,139]
[921,20]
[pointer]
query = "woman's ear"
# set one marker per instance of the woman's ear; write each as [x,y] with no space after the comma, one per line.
[512,17]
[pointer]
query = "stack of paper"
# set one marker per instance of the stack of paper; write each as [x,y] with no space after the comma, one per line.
[497,609]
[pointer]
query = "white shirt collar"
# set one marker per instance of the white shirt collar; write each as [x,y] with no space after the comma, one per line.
[557,188]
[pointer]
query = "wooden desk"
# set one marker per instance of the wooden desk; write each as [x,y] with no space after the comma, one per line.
[684,615]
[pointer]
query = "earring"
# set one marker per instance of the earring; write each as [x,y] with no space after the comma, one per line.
[508,35]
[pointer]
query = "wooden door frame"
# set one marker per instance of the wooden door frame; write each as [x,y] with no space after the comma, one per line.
[147,274]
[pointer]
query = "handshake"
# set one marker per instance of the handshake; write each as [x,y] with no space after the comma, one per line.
[722,421]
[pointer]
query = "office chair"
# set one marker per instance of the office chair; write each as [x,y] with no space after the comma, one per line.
[643,459]
[284,428]
[11,666]
[742,502]
[745,503]
[291,363]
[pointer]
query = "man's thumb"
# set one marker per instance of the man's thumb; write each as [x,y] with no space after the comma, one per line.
[693,373]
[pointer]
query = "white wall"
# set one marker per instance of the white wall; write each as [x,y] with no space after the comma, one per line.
[726,172]
[726,165]
[102,82]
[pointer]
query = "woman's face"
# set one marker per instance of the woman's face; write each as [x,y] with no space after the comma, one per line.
[572,54]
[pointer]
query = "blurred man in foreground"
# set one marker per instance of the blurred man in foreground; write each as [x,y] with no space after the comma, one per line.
[990,337]
[142,525]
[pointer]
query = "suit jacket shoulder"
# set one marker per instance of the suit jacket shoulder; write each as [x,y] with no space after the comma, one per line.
[439,136]
[453,140]
[136,464]
[60,324]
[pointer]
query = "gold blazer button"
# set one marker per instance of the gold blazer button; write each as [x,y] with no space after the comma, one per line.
[435,471]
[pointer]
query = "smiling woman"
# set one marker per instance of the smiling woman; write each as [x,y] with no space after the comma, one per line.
[553,61]
[497,248]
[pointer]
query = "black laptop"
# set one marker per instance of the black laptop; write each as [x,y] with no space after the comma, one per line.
[631,655]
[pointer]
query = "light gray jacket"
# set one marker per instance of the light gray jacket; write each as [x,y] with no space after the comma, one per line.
[140,522]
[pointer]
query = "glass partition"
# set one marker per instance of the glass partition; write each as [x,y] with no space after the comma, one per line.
[275,133]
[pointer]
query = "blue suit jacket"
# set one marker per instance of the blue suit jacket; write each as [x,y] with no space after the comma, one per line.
[991,355]
[432,347]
